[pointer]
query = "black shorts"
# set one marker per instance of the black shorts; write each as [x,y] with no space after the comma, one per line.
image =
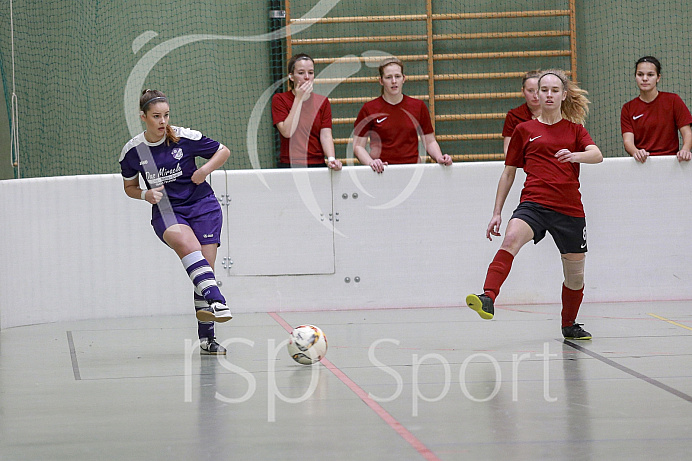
[568,232]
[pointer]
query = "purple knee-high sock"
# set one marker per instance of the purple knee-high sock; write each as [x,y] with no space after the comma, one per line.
[202,276]
[204,329]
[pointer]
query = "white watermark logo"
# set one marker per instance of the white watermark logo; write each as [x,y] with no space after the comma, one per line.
[329,79]
[416,362]
[141,70]
[148,61]
[273,391]
[274,351]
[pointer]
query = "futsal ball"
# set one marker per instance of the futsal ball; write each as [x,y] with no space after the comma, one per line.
[307,344]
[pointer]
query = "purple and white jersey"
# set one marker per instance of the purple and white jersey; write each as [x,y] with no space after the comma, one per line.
[170,165]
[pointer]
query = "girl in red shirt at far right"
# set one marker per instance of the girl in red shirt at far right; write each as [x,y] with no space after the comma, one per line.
[549,149]
[651,121]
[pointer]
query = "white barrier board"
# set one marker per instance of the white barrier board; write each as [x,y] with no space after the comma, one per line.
[77,248]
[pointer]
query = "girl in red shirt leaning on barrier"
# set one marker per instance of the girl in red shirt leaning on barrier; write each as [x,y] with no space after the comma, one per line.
[650,122]
[393,122]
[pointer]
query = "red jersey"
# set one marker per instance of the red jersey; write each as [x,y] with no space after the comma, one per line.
[304,146]
[515,117]
[655,124]
[549,183]
[393,128]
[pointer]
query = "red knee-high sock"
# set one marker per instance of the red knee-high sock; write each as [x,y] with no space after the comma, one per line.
[497,273]
[571,301]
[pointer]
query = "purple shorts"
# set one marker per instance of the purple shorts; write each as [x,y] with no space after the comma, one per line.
[204,217]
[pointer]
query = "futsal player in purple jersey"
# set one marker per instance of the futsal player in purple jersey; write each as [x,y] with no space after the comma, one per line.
[185,214]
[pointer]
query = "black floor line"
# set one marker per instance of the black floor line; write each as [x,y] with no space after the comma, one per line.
[629,371]
[73,356]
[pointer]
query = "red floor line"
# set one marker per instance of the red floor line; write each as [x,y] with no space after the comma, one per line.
[376,407]
[463,306]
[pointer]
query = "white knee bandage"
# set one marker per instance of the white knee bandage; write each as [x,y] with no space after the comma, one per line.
[574,273]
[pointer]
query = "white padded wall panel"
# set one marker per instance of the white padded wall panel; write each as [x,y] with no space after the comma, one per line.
[639,218]
[279,222]
[78,248]
[407,234]
[413,236]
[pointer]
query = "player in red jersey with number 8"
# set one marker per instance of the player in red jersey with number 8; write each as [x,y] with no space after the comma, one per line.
[549,149]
